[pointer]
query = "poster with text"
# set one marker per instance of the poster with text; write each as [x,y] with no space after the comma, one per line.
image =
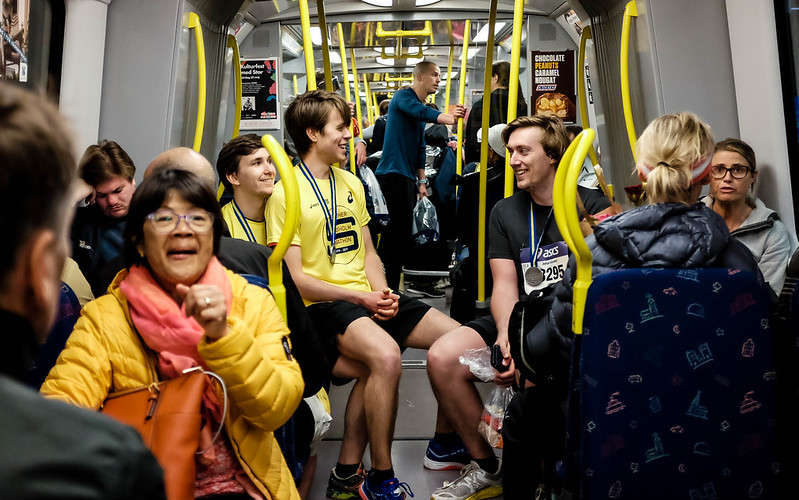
[14,28]
[259,102]
[553,84]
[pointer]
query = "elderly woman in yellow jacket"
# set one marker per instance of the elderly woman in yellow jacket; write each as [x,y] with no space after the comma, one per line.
[189,310]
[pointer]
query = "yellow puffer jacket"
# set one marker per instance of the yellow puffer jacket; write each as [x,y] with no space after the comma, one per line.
[264,383]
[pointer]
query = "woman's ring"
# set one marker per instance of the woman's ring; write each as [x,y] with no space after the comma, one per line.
[208,301]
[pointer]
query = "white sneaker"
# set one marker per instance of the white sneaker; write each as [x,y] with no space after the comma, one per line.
[473,484]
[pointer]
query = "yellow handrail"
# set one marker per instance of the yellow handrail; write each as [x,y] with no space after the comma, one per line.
[307,45]
[233,44]
[368,96]
[356,86]
[289,182]
[425,32]
[581,93]
[400,78]
[376,111]
[193,22]
[346,85]
[400,54]
[481,218]
[296,88]
[449,79]
[630,11]
[513,89]
[467,34]
[564,205]
[320,15]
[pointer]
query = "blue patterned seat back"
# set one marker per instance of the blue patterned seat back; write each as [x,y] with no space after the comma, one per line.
[677,387]
[47,354]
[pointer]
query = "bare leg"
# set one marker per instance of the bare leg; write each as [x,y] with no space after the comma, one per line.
[453,386]
[307,477]
[355,437]
[366,342]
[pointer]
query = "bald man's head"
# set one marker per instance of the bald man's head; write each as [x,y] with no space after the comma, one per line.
[184,159]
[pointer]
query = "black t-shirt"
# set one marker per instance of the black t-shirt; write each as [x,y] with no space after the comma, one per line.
[509,234]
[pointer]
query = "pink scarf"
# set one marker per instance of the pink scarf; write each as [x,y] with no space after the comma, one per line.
[164,326]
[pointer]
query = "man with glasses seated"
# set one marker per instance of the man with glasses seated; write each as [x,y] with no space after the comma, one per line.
[733,173]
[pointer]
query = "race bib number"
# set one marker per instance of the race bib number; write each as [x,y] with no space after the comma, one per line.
[551,260]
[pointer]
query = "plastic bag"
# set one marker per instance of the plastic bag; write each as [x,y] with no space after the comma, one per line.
[490,426]
[425,222]
[379,211]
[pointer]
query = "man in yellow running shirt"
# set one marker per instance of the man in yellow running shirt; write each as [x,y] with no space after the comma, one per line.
[341,279]
[245,167]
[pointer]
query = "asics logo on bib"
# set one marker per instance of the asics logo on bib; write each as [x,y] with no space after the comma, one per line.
[546,253]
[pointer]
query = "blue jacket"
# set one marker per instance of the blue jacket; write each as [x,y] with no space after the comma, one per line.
[403,147]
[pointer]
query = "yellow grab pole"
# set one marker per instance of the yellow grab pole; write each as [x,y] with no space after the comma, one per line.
[233,44]
[368,97]
[289,182]
[513,89]
[346,84]
[357,92]
[307,45]
[449,79]
[294,83]
[481,216]
[564,206]
[630,11]
[581,91]
[320,15]
[193,22]
[376,112]
[467,34]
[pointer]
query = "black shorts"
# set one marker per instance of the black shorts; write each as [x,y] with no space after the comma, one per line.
[485,326]
[332,319]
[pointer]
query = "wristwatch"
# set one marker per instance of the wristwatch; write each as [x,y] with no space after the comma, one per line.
[419,182]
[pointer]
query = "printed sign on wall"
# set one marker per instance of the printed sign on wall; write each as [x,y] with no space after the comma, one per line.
[259,102]
[553,84]
[14,28]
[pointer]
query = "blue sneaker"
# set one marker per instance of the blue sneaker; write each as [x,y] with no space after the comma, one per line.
[391,489]
[441,457]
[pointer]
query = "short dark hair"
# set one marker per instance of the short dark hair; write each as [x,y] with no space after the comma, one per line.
[422,68]
[149,197]
[384,106]
[312,110]
[103,161]
[501,70]
[573,129]
[555,141]
[37,169]
[228,160]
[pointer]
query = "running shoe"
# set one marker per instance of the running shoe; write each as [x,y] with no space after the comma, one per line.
[441,457]
[473,484]
[344,488]
[390,489]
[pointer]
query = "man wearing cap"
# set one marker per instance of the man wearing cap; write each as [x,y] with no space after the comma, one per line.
[528,257]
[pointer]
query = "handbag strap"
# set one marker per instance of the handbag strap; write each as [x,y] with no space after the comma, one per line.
[224,404]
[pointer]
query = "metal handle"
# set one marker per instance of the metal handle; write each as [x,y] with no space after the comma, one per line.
[289,182]
[630,11]
[564,205]
[513,89]
[192,21]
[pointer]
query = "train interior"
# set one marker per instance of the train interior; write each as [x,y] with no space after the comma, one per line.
[128,70]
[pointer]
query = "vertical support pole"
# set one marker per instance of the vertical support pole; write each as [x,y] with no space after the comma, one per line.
[513,89]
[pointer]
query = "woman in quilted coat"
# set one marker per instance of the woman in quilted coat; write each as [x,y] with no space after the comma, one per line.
[176,307]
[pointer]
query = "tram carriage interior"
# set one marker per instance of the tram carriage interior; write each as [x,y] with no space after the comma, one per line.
[133,71]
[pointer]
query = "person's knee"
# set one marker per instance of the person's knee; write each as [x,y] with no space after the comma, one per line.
[441,359]
[386,361]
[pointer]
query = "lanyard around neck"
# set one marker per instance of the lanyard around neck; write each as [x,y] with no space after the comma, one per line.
[243,222]
[531,220]
[330,213]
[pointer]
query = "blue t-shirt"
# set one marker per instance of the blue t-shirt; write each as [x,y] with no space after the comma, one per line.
[403,146]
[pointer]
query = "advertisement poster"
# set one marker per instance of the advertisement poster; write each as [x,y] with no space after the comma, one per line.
[14,28]
[259,102]
[553,84]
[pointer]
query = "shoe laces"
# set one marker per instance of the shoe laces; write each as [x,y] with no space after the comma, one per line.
[467,476]
[393,488]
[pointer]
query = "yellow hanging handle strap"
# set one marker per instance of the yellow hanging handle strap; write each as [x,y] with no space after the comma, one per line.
[630,11]
[289,182]
[192,21]
[564,205]
[513,89]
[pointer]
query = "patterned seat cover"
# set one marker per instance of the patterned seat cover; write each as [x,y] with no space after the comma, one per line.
[676,383]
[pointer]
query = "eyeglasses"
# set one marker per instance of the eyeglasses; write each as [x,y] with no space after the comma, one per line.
[737,171]
[166,221]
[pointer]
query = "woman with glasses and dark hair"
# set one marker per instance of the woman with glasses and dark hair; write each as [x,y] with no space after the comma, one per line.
[176,307]
[733,173]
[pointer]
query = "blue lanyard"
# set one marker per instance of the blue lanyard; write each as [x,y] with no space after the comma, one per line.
[243,222]
[531,221]
[331,214]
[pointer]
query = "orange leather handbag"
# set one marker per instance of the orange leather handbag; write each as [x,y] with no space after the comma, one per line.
[168,415]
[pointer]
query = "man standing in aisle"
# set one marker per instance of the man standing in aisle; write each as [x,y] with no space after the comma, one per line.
[401,168]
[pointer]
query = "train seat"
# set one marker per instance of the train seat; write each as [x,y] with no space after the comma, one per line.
[675,379]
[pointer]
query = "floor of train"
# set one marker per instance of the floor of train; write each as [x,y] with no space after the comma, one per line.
[416,417]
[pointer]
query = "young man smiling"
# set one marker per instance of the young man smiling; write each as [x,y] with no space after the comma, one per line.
[245,167]
[335,266]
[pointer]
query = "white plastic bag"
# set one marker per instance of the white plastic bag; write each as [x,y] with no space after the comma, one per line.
[490,426]
[425,222]
[479,363]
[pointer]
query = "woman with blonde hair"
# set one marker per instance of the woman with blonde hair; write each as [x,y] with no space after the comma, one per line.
[733,172]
